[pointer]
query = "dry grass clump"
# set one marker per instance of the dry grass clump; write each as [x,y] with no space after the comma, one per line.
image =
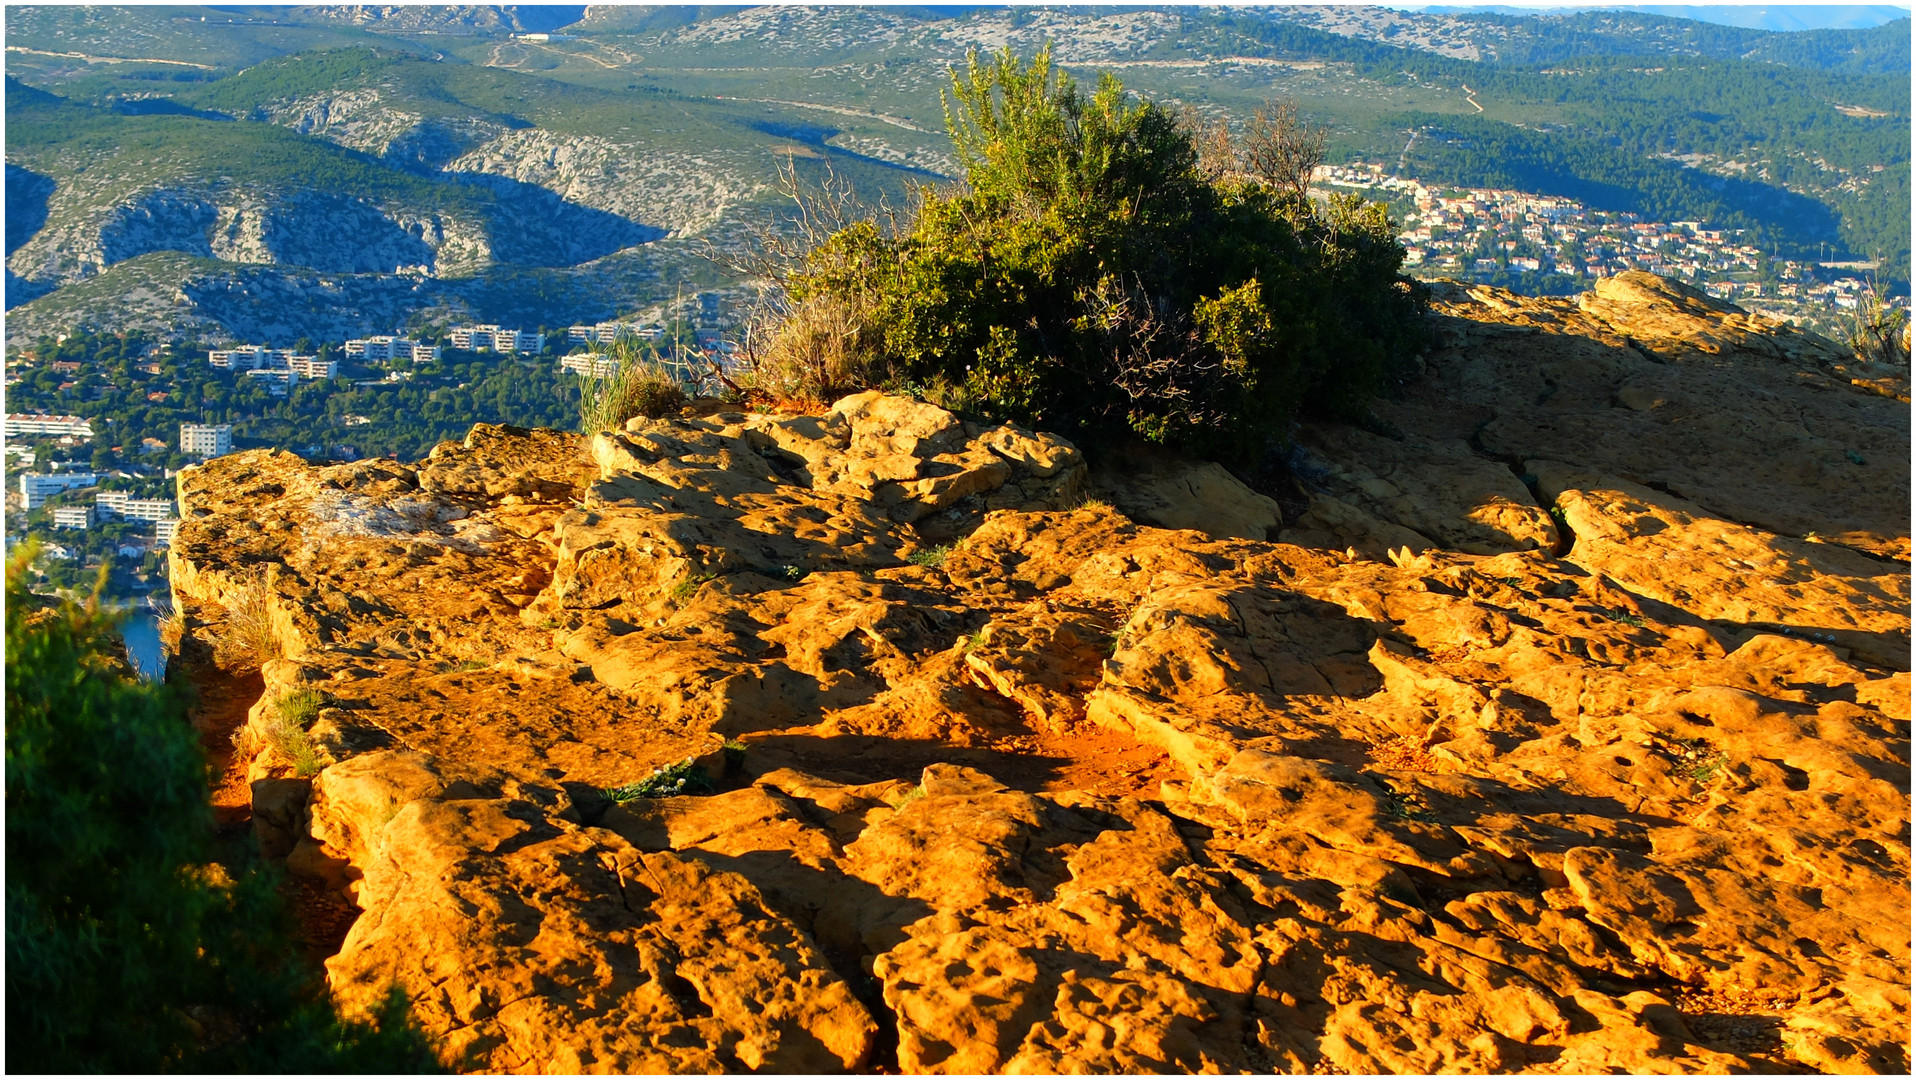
[817,352]
[642,386]
[1878,332]
[250,639]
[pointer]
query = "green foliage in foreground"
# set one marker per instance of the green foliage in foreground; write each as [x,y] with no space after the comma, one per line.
[679,778]
[1097,277]
[128,950]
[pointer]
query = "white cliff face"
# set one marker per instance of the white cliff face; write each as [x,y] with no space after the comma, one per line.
[356,118]
[328,232]
[680,193]
[364,120]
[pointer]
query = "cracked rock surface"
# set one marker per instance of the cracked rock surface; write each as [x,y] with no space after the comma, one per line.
[1538,738]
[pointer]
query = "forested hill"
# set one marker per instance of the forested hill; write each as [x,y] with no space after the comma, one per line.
[533,179]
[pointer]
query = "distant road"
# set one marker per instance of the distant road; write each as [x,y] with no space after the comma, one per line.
[108,59]
[840,109]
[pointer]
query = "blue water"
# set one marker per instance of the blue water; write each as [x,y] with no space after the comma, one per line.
[141,631]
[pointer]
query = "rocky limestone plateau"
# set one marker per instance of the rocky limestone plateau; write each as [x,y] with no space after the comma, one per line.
[1563,728]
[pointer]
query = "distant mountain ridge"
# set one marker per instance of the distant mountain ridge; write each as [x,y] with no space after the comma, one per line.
[1771,17]
[354,141]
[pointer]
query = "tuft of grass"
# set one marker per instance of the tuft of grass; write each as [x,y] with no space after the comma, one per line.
[641,386]
[734,754]
[910,797]
[977,638]
[1099,506]
[679,778]
[460,666]
[298,707]
[819,349]
[250,638]
[930,558]
[1878,332]
[286,731]
[1623,615]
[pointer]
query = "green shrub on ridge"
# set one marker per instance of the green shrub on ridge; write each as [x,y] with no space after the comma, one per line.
[1095,277]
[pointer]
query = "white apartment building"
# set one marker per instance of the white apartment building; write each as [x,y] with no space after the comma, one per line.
[36,488]
[491,336]
[390,347]
[206,440]
[312,367]
[606,333]
[121,505]
[163,531]
[249,357]
[594,365]
[45,424]
[72,517]
[279,381]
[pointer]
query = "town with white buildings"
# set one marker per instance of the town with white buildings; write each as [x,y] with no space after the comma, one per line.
[1515,238]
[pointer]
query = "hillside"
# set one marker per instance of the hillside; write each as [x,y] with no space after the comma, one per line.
[1561,730]
[477,154]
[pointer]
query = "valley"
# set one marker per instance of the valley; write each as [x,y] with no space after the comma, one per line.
[409,163]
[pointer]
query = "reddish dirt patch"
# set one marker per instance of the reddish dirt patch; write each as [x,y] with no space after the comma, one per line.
[1106,762]
[324,916]
[222,700]
[1403,753]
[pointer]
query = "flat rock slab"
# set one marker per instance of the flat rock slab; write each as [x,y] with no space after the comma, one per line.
[863,741]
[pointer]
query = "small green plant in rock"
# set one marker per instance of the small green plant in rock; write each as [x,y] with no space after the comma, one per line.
[688,588]
[1404,806]
[977,638]
[1623,615]
[734,754]
[679,778]
[1701,762]
[461,666]
[912,796]
[931,558]
[293,713]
